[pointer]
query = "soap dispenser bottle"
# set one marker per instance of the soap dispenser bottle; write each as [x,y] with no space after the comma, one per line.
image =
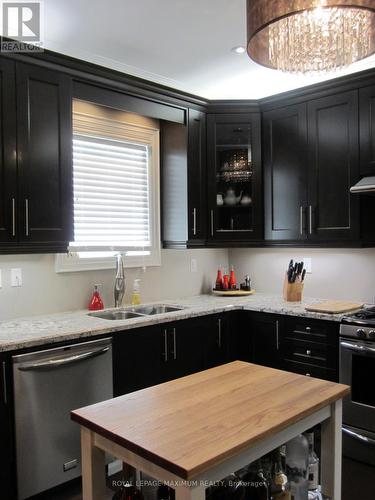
[136,297]
[96,303]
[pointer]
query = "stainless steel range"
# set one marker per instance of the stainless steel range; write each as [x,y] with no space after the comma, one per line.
[357,369]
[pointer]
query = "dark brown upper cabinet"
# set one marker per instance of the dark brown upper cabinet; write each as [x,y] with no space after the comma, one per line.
[332,212]
[367,130]
[44,139]
[8,164]
[310,163]
[36,195]
[285,173]
[183,179]
[235,213]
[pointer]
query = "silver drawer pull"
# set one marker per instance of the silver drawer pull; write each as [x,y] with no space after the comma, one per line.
[174,344]
[212,223]
[165,354]
[5,383]
[194,221]
[308,328]
[358,437]
[13,217]
[27,217]
[308,352]
[55,363]
[307,374]
[219,332]
[301,220]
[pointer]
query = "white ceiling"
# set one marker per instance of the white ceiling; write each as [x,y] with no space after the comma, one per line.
[180,43]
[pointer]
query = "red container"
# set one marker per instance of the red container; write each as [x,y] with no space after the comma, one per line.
[219,280]
[226,282]
[96,303]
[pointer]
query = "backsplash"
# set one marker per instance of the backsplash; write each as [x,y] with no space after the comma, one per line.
[336,273]
[45,291]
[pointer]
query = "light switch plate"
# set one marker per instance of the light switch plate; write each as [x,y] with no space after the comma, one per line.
[193,265]
[16,277]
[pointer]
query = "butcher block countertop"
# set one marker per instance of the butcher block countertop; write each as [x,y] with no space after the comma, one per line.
[191,424]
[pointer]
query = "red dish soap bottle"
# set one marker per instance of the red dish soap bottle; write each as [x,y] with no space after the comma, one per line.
[96,303]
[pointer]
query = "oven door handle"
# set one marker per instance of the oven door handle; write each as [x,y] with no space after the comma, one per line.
[358,437]
[358,347]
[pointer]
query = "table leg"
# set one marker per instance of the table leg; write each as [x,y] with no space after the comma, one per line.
[190,493]
[332,452]
[93,467]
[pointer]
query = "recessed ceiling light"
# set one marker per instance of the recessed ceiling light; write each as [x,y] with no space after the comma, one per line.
[238,50]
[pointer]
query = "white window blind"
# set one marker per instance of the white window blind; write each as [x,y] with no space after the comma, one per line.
[111,194]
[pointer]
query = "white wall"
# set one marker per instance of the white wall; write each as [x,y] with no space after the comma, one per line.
[44,291]
[336,273]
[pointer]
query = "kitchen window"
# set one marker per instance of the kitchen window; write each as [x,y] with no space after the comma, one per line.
[116,190]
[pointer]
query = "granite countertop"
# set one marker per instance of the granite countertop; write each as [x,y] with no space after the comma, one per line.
[38,330]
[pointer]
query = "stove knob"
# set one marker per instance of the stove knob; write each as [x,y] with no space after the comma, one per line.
[371,334]
[361,333]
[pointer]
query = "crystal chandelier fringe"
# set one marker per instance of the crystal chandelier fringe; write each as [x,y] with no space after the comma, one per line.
[320,40]
[310,36]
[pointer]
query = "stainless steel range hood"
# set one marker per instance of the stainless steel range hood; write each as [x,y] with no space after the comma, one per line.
[365,185]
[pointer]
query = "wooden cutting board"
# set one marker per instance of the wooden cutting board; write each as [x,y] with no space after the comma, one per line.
[334,306]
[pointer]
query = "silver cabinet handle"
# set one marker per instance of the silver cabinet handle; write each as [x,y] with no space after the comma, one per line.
[358,347]
[358,437]
[301,220]
[174,344]
[194,221]
[307,374]
[308,328]
[5,383]
[277,334]
[55,363]
[165,346]
[27,217]
[310,220]
[219,332]
[13,217]
[308,353]
[212,223]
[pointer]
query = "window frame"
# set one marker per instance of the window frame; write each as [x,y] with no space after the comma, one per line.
[102,126]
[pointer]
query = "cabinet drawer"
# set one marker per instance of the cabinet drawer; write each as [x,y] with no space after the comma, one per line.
[310,353]
[310,370]
[312,330]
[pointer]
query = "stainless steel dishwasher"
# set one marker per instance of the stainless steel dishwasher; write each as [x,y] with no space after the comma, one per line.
[47,386]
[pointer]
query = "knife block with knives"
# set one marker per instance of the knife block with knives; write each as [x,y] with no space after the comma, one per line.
[294,282]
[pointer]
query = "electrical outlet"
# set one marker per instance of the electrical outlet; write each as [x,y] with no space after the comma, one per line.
[193,265]
[16,277]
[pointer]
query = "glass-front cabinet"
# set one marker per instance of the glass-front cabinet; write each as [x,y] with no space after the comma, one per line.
[234,177]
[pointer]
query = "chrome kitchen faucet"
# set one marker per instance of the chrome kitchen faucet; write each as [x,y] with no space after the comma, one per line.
[120,285]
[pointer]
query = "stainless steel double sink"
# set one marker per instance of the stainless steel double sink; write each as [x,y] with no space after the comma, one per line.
[135,312]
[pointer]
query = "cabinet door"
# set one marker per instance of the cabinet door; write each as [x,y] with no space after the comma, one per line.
[216,342]
[234,177]
[333,213]
[7,459]
[137,359]
[185,353]
[8,166]
[197,199]
[44,158]
[285,176]
[367,130]
[265,337]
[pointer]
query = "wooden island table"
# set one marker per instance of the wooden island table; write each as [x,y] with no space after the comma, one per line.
[202,427]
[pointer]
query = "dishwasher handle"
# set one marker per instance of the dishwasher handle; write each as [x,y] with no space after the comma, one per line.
[55,363]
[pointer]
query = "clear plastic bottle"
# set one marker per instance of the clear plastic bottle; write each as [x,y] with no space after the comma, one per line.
[136,297]
[297,461]
[313,472]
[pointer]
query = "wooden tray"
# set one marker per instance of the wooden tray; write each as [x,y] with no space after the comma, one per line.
[334,306]
[233,293]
